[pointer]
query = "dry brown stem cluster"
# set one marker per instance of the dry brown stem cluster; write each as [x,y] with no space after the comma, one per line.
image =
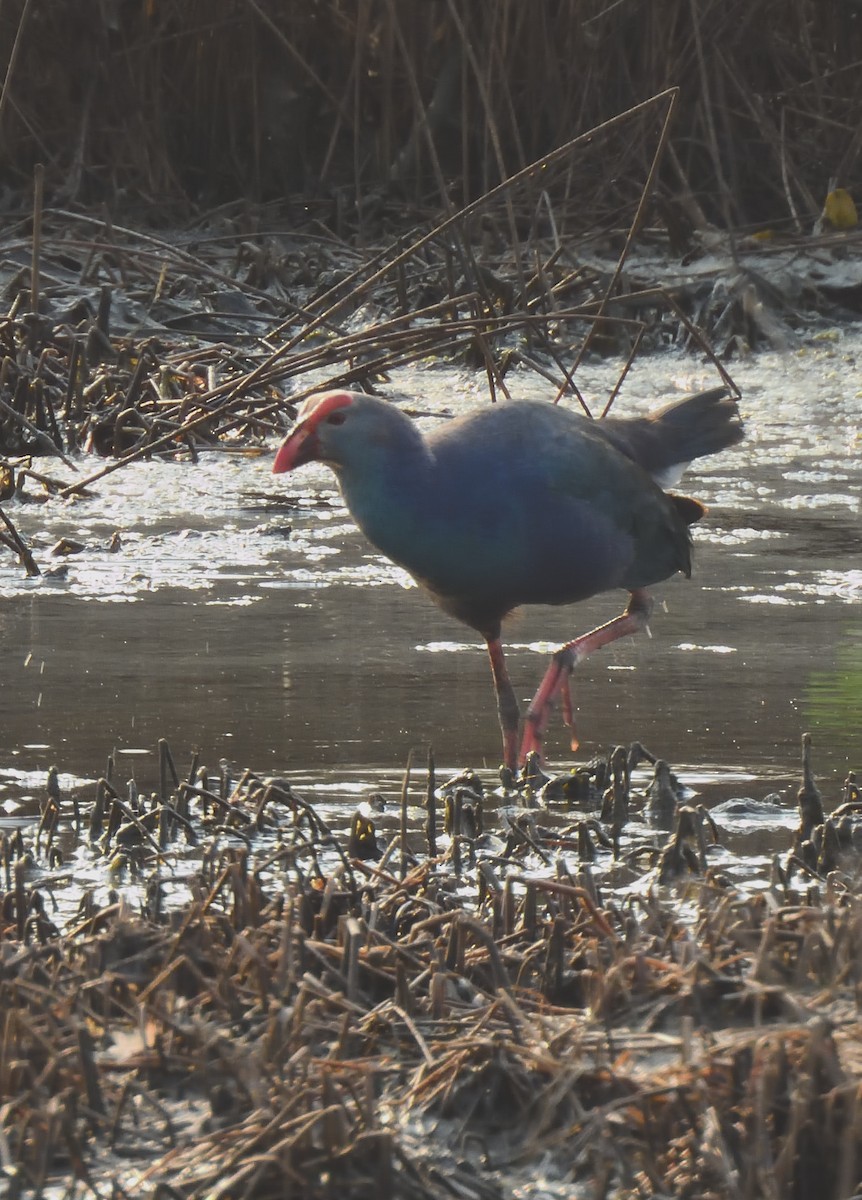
[179,103]
[312,1023]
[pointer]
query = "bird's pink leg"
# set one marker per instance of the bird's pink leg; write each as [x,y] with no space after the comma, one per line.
[507,705]
[556,680]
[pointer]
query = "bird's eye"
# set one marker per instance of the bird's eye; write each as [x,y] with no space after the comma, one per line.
[336,418]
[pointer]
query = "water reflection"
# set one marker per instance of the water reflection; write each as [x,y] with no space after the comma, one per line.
[834,696]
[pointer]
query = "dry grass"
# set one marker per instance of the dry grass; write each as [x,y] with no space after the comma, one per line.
[175,104]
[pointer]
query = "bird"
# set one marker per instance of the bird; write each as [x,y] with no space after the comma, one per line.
[520,502]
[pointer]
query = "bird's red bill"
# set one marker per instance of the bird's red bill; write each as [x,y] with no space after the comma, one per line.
[295,450]
[289,452]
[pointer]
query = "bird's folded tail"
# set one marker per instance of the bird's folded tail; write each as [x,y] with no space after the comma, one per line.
[665,442]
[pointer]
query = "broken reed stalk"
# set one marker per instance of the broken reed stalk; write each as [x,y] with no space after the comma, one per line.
[695,334]
[391,346]
[405,789]
[537,76]
[38,198]
[431,806]
[16,543]
[46,444]
[627,366]
[161,253]
[496,141]
[13,59]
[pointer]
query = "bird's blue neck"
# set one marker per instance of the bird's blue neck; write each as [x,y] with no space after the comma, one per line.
[390,494]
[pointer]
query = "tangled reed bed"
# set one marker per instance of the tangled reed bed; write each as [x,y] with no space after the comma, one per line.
[126,344]
[255,309]
[310,1022]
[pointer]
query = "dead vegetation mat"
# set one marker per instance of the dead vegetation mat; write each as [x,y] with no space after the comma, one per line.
[121,343]
[311,1024]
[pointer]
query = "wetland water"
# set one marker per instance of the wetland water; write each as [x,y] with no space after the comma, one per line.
[307,653]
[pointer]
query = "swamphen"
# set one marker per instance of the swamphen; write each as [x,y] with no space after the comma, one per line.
[521,502]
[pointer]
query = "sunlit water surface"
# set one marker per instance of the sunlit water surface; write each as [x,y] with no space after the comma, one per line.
[273,636]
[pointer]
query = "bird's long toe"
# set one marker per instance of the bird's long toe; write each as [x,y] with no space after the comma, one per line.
[569,714]
[555,682]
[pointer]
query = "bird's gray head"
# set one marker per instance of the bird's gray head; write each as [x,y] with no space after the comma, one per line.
[338,428]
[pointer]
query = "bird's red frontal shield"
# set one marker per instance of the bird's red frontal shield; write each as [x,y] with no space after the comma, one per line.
[300,445]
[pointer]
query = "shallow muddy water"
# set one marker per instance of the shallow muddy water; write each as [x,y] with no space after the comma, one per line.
[244,615]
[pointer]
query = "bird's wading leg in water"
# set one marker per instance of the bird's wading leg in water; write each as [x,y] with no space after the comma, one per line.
[556,681]
[507,704]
